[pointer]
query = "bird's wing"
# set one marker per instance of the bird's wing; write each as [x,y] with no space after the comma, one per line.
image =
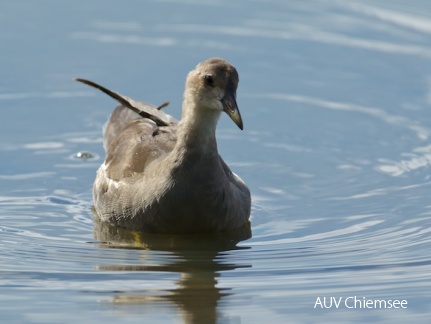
[137,144]
[135,135]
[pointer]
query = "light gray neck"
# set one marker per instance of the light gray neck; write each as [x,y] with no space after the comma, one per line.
[196,131]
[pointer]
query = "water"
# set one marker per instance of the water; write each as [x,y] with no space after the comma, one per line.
[335,98]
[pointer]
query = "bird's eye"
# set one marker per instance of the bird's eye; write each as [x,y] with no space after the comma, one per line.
[209,80]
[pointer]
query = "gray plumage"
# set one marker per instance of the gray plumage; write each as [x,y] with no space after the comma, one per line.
[164,176]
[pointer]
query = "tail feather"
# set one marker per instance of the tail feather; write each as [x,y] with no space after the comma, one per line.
[141,108]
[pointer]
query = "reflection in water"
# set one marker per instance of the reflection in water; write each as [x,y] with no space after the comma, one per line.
[197,258]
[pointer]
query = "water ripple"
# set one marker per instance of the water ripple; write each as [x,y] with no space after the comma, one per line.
[421,132]
[419,158]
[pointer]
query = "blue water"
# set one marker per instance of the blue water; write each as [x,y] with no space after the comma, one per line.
[336,102]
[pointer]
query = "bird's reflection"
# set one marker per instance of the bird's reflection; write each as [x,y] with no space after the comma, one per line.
[198,259]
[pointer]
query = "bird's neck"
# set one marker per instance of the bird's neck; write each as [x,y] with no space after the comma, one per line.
[196,130]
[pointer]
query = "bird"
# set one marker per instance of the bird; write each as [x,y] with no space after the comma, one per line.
[166,176]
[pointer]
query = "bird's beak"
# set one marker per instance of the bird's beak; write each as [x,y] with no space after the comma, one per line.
[230,106]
